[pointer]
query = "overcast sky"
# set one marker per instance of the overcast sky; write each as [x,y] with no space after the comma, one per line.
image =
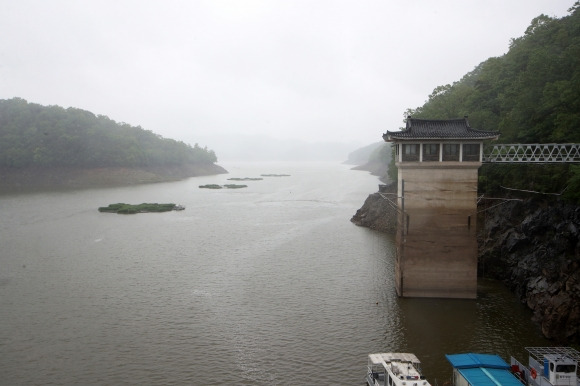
[204,71]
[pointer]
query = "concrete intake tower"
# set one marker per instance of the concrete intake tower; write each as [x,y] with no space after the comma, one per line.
[438,162]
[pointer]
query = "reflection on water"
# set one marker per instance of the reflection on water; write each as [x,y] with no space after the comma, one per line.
[494,323]
[265,285]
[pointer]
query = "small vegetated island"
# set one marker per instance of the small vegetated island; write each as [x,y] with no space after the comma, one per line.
[227,186]
[236,186]
[122,208]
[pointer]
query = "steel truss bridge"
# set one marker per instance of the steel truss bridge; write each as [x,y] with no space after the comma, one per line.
[532,153]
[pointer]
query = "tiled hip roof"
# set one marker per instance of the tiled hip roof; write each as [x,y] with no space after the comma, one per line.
[439,129]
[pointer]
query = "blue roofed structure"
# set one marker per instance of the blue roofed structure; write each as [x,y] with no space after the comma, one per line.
[481,370]
[463,361]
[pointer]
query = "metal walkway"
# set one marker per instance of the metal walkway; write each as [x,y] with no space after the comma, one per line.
[532,153]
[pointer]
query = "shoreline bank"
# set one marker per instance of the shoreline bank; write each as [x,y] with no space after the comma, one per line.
[39,179]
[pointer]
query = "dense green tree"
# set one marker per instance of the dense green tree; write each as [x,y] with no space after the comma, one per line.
[32,135]
[531,95]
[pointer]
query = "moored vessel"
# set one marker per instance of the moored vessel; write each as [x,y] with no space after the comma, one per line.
[472,369]
[549,366]
[394,369]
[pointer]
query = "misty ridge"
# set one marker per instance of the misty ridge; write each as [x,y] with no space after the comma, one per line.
[530,94]
[50,146]
[262,148]
[51,136]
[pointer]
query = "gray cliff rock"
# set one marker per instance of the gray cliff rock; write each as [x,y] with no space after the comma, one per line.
[534,248]
[378,212]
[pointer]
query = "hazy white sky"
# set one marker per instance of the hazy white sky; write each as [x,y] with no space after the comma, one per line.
[204,71]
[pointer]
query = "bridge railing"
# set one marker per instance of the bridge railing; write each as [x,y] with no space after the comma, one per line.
[532,153]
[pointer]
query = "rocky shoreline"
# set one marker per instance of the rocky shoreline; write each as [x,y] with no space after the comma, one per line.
[37,179]
[532,246]
[378,212]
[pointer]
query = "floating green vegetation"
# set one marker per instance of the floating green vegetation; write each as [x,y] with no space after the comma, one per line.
[228,186]
[275,175]
[122,208]
[245,179]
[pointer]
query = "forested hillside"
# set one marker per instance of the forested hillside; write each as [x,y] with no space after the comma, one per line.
[531,95]
[374,158]
[35,136]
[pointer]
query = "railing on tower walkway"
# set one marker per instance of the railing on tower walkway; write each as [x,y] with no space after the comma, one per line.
[532,153]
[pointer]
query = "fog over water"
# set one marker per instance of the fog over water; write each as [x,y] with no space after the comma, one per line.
[229,73]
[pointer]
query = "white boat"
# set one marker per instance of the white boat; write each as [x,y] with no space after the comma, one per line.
[549,366]
[394,369]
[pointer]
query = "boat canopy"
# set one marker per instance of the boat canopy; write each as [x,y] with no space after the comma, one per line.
[469,360]
[540,353]
[390,357]
[483,369]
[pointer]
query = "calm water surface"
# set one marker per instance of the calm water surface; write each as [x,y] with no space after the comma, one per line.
[270,284]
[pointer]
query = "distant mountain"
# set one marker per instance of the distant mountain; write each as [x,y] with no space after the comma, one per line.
[363,155]
[247,147]
[376,158]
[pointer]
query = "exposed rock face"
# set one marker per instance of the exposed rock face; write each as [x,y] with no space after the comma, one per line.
[532,246]
[535,249]
[377,212]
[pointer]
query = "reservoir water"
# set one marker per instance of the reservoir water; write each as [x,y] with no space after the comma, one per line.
[266,285]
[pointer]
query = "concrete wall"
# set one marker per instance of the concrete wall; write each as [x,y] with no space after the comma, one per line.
[436,243]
